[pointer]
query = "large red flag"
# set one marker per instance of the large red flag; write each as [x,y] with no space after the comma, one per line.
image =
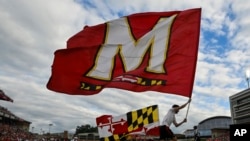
[153,51]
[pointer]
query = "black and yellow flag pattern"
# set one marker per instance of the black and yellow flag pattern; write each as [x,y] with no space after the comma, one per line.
[115,137]
[140,118]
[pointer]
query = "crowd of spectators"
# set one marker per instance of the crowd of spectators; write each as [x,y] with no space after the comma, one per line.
[13,133]
[13,128]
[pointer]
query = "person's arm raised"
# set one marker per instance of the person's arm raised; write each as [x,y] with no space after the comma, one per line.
[184,105]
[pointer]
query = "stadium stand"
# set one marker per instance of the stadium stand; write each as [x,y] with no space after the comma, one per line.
[240,107]
[12,127]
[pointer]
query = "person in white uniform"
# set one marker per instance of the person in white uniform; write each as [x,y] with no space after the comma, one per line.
[169,118]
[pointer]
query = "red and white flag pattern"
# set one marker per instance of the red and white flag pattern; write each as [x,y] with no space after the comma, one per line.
[151,51]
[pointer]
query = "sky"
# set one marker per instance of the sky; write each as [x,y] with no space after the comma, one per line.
[31,31]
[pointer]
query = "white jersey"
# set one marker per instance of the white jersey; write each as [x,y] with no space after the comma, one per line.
[169,118]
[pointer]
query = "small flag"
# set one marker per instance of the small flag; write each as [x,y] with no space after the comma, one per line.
[3,96]
[134,122]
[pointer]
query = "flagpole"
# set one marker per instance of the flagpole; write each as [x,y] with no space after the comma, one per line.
[188,108]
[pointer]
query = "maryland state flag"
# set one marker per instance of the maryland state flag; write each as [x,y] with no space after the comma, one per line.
[112,128]
[152,51]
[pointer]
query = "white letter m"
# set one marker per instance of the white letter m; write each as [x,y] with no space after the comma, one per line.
[119,40]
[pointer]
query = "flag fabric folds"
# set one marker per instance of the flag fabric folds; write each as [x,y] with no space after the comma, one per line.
[3,96]
[134,122]
[152,51]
